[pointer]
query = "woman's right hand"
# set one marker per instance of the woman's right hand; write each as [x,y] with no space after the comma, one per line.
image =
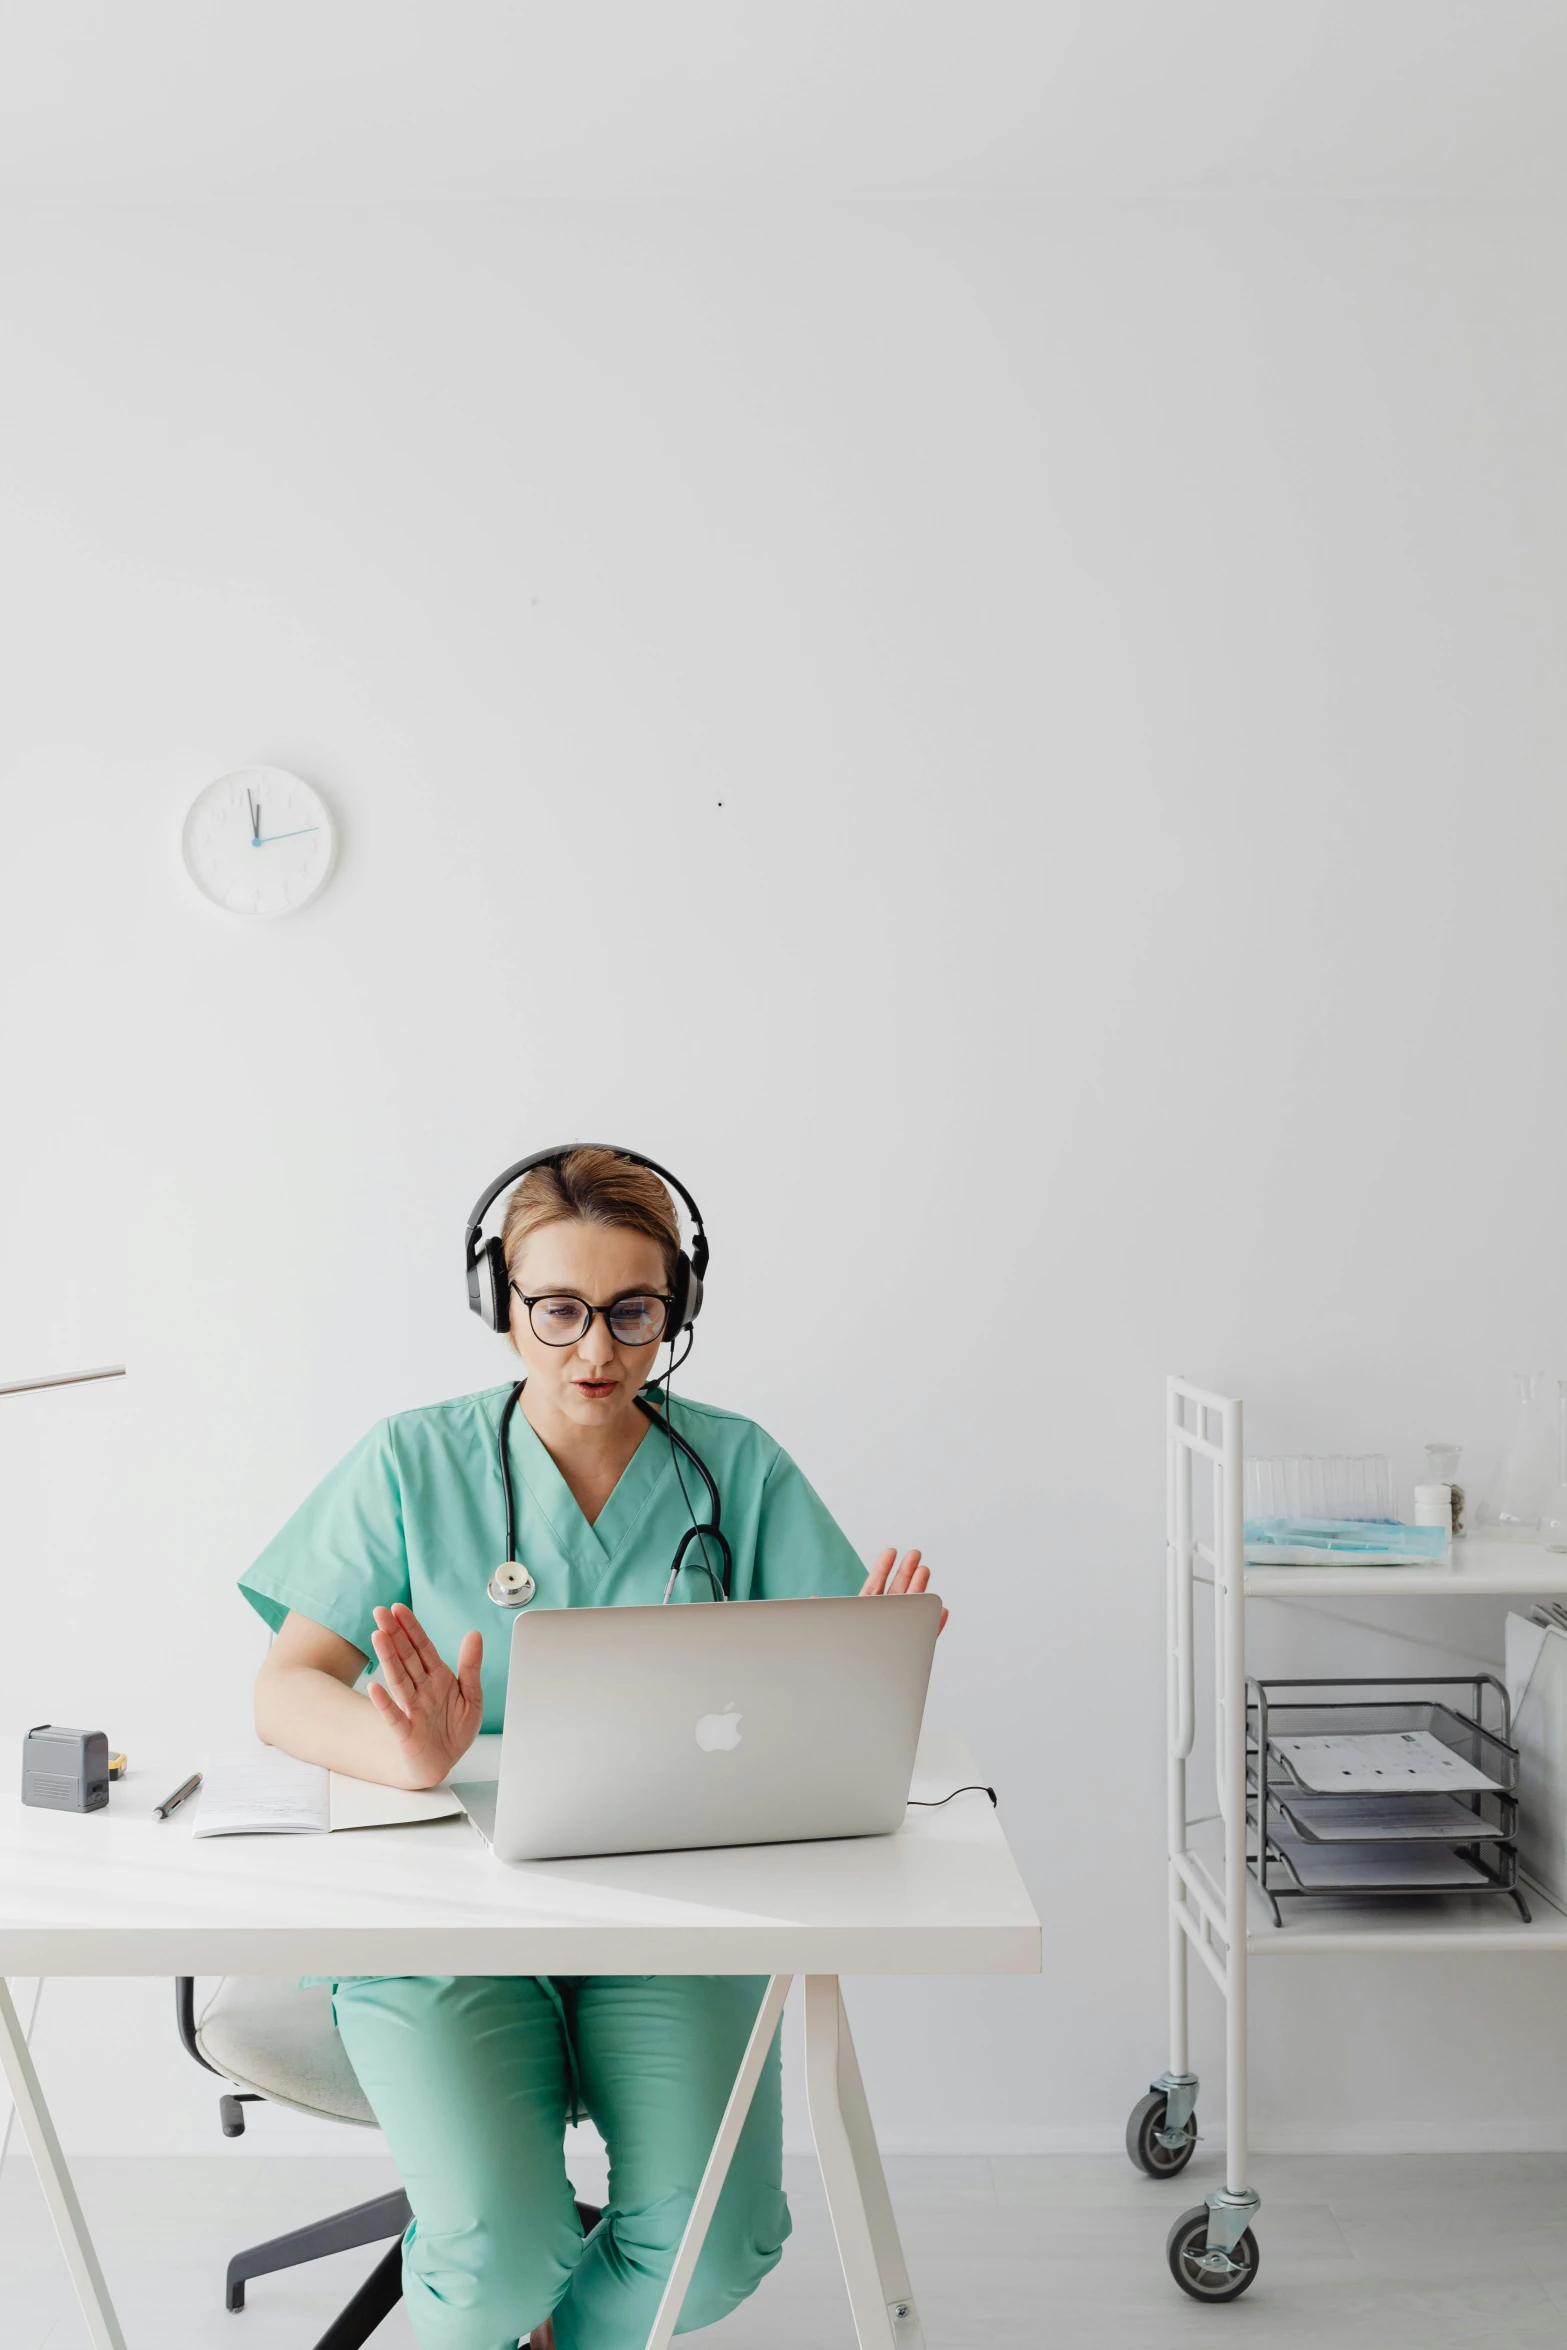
[433,1713]
[891,1575]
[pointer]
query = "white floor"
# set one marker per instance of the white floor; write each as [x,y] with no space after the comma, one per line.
[1388,2252]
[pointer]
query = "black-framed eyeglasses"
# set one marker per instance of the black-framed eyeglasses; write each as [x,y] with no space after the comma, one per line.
[560,1319]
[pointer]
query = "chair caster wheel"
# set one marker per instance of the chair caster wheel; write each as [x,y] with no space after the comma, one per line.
[1209,2276]
[1143,2144]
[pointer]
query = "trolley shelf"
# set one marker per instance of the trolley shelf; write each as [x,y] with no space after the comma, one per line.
[1476,1567]
[1451,1921]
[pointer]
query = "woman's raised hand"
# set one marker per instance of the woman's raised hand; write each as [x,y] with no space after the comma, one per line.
[432,1712]
[891,1575]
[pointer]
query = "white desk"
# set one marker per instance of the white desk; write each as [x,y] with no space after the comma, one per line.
[120,1893]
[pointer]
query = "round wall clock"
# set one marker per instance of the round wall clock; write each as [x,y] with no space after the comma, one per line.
[259,841]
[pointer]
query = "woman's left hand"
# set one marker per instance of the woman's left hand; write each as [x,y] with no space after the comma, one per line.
[891,1575]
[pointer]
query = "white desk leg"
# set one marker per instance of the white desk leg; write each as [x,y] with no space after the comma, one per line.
[885,2317]
[702,2210]
[55,2179]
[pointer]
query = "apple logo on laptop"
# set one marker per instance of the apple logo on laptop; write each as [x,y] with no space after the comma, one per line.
[719,1733]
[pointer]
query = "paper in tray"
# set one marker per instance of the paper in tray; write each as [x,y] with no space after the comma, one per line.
[1369,1868]
[1379,1762]
[1380,1819]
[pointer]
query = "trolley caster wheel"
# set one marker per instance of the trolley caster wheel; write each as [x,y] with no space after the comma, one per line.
[1209,2276]
[1143,2143]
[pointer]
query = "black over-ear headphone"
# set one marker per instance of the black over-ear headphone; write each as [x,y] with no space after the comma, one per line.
[484,1261]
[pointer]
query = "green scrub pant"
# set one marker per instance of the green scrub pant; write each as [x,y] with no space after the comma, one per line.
[473,2079]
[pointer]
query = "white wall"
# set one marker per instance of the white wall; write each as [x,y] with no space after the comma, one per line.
[1019,749]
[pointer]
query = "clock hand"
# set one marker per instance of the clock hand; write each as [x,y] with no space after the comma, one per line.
[260,843]
[255,820]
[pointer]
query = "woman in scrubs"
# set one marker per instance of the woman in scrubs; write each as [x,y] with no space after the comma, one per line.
[474,2078]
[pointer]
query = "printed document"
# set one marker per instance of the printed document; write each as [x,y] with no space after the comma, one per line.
[1378,1763]
[1381,1819]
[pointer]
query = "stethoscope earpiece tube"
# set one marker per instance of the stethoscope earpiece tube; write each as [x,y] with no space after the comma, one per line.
[697,1534]
[512,1586]
[700,1535]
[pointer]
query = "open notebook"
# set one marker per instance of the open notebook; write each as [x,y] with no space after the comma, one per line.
[257,1791]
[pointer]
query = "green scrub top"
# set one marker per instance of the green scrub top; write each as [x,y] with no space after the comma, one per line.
[416,1513]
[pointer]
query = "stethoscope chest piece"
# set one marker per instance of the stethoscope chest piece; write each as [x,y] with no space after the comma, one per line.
[512,1585]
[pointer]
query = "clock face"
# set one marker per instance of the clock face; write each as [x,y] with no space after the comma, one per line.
[259,841]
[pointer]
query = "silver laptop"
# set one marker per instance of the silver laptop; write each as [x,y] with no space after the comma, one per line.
[649,1729]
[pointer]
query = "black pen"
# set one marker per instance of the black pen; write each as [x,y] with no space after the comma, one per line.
[161,1811]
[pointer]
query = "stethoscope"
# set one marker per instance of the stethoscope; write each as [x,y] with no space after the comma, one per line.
[511,1585]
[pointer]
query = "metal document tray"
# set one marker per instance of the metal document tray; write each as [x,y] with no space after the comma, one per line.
[1489,1750]
[1459,1841]
[1395,1868]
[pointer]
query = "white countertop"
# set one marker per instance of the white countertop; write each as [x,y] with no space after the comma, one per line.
[120,1893]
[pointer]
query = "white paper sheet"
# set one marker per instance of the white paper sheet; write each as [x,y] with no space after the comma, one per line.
[1537,1685]
[1378,1763]
[263,1793]
[1385,1819]
[365,1803]
[1524,1641]
[1360,1868]
[259,1791]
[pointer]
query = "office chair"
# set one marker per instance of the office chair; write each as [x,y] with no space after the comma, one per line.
[275,2041]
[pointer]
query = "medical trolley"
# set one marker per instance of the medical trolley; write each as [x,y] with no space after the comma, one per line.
[1217,1910]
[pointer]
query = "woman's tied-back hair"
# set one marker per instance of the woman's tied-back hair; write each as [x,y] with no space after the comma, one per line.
[593,1185]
